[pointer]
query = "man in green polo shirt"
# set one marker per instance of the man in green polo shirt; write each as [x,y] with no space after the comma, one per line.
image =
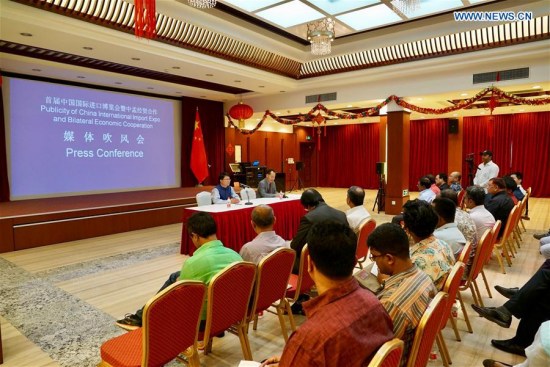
[208,260]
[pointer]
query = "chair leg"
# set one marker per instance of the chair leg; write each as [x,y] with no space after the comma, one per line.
[474,295]
[523,225]
[455,328]
[282,322]
[507,252]
[245,343]
[486,283]
[290,316]
[466,318]
[496,251]
[478,295]
[255,324]
[443,349]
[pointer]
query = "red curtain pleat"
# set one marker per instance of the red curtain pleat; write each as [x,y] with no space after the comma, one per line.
[520,142]
[428,149]
[348,156]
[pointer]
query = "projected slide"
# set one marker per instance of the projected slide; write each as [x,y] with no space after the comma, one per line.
[67,140]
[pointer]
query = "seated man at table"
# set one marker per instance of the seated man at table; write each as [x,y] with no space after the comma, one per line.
[357,214]
[266,240]
[222,192]
[208,260]
[345,324]
[267,187]
[408,291]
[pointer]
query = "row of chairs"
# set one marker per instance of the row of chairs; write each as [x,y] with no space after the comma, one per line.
[171,319]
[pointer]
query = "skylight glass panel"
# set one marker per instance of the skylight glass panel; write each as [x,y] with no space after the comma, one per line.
[375,16]
[336,7]
[434,6]
[250,5]
[290,14]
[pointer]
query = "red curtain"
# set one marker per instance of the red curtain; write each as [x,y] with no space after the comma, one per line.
[519,142]
[348,156]
[213,130]
[428,149]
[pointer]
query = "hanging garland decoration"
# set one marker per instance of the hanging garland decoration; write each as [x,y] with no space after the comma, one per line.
[496,94]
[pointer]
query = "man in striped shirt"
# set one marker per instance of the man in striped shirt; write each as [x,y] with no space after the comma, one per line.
[408,291]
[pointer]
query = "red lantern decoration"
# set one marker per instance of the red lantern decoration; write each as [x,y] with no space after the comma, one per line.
[241,112]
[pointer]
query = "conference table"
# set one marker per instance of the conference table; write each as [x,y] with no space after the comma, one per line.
[234,228]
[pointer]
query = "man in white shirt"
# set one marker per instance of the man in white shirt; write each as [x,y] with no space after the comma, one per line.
[446,229]
[266,240]
[426,193]
[474,200]
[486,170]
[357,215]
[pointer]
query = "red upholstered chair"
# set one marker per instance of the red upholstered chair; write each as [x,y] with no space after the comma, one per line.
[503,243]
[426,331]
[494,238]
[451,288]
[299,284]
[362,247]
[460,198]
[389,354]
[228,298]
[270,287]
[170,324]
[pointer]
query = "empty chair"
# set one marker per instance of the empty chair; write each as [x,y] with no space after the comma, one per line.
[389,354]
[166,331]
[426,331]
[248,194]
[204,198]
[362,247]
[298,284]
[228,298]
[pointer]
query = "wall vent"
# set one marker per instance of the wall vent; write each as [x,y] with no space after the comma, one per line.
[511,74]
[314,98]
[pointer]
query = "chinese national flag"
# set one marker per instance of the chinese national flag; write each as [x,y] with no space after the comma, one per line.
[198,153]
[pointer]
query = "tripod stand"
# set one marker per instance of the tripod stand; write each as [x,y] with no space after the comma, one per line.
[298,181]
[381,195]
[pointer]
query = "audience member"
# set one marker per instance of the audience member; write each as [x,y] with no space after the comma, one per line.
[408,291]
[209,259]
[483,219]
[266,240]
[357,214]
[463,220]
[530,304]
[345,324]
[431,255]
[498,202]
[454,181]
[486,170]
[446,228]
[511,186]
[441,181]
[433,186]
[223,191]
[267,187]
[426,193]
[519,192]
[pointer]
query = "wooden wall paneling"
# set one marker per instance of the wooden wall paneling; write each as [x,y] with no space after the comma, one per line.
[6,239]
[455,149]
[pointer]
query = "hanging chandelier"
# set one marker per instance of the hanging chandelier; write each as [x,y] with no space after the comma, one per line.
[320,33]
[202,4]
[406,6]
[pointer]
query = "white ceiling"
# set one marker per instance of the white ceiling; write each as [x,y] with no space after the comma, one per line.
[428,83]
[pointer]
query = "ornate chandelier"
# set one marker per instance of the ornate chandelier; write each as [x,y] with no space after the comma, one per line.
[202,4]
[320,33]
[406,6]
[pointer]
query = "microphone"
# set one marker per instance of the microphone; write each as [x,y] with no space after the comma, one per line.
[245,186]
[248,202]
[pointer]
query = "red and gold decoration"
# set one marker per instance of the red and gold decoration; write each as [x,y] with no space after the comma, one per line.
[145,18]
[318,119]
[241,112]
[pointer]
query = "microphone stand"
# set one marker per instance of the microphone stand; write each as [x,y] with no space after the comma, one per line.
[248,202]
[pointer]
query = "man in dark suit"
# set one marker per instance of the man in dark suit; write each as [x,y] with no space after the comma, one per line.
[318,211]
[498,202]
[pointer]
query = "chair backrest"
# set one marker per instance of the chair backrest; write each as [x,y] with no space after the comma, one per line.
[389,354]
[364,232]
[510,224]
[483,251]
[272,279]
[228,297]
[465,254]
[204,198]
[426,331]
[451,288]
[248,194]
[304,283]
[494,232]
[520,206]
[460,198]
[171,321]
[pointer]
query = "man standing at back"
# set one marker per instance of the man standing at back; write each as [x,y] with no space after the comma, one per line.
[345,324]
[486,170]
[266,240]
[357,215]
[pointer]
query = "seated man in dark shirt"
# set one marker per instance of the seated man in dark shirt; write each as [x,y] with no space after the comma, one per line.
[497,202]
[345,324]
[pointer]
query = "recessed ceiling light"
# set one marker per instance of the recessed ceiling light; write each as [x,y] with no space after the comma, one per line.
[419,99]
[258,119]
[536,87]
[237,81]
[455,115]
[209,74]
[464,94]
[150,88]
[36,69]
[176,67]
[521,110]
[81,77]
[349,106]
[136,58]
[88,48]
[118,83]
[277,113]
[25,34]
[482,113]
